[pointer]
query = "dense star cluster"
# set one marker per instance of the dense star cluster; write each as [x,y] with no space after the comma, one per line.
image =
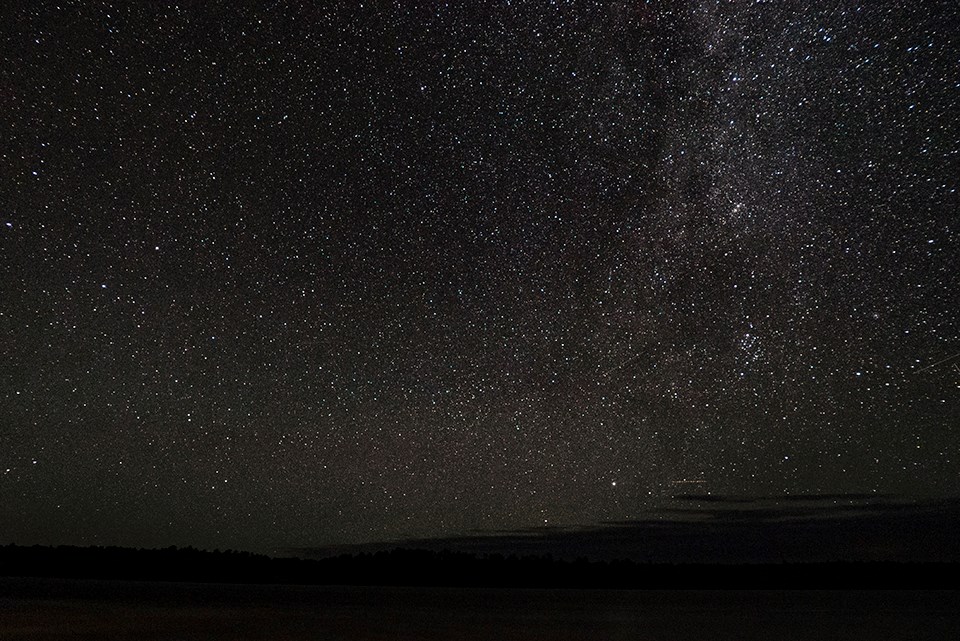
[278,274]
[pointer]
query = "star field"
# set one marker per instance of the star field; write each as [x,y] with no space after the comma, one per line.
[289,274]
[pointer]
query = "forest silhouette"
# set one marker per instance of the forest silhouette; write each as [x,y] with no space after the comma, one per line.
[410,567]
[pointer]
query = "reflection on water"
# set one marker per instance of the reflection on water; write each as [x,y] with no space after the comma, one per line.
[62,609]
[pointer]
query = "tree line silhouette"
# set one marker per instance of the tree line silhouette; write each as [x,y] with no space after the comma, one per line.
[411,567]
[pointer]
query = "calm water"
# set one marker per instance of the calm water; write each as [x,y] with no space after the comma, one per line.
[61,609]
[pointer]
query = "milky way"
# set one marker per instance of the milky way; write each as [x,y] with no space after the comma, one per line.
[304,274]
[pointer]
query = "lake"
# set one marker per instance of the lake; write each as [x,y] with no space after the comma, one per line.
[47,609]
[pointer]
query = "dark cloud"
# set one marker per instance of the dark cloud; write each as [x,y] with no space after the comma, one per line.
[747,530]
[787,498]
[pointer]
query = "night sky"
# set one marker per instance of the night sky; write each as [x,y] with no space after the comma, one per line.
[298,274]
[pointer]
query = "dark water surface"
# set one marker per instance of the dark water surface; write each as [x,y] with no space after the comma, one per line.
[68,609]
